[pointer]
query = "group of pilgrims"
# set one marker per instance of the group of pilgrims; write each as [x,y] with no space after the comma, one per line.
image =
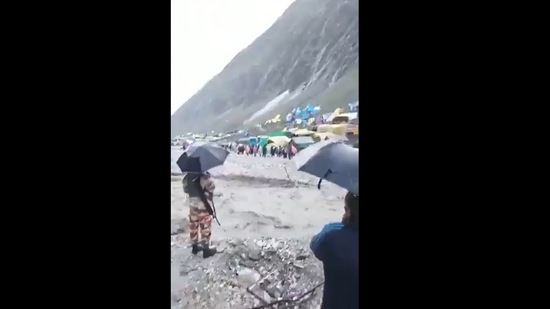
[267,150]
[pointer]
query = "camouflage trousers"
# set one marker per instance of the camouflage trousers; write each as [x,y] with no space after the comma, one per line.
[200,222]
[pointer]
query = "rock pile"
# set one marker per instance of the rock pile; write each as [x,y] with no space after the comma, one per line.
[247,273]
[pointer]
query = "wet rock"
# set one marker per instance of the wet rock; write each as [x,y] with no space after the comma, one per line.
[263,294]
[254,255]
[273,291]
[247,277]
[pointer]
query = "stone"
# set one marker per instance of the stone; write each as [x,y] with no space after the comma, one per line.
[254,255]
[273,291]
[247,277]
[222,283]
[221,247]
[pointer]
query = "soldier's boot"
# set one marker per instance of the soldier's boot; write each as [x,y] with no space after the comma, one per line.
[196,249]
[208,252]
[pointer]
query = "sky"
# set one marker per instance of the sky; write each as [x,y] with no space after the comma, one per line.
[207,34]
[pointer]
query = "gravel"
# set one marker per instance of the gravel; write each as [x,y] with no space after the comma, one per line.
[247,274]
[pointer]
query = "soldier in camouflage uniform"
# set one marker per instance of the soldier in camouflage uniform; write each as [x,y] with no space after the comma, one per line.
[200,219]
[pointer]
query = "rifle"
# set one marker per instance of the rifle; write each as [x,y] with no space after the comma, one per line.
[212,211]
[210,208]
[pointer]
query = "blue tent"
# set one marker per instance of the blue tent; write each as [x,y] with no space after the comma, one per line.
[316,110]
[289,117]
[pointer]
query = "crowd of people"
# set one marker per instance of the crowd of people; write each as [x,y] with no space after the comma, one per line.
[267,150]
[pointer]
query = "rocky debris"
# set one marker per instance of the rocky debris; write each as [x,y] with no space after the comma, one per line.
[248,273]
[178,226]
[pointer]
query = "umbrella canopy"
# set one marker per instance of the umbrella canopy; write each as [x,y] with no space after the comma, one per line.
[200,157]
[331,160]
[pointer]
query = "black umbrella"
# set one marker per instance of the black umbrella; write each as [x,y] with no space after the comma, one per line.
[200,157]
[331,160]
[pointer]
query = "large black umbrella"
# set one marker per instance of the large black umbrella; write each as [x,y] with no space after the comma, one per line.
[333,161]
[200,157]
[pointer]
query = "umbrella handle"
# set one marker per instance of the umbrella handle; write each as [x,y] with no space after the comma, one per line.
[329,171]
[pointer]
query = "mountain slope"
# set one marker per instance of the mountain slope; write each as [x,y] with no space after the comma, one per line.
[306,51]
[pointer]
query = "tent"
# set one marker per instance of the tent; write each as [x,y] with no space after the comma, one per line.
[303,132]
[253,140]
[289,117]
[280,133]
[243,141]
[346,117]
[302,142]
[338,129]
[353,106]
[278,140]
[329,135]
[263,140]
[336,112]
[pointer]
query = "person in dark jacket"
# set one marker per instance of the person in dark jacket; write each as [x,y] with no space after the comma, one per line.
[337,246]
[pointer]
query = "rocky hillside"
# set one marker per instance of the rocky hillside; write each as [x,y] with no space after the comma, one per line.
[306,51]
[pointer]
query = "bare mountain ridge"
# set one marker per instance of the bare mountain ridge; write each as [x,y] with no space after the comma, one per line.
[311,46]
